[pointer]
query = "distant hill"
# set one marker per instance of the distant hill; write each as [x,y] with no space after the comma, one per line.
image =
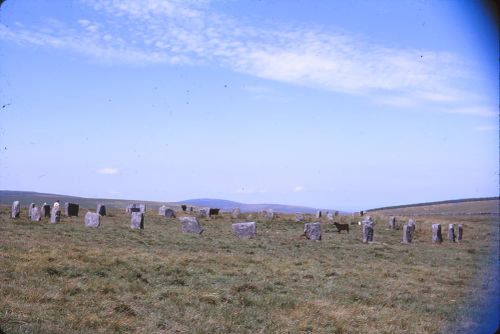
[467,206]
[226,205]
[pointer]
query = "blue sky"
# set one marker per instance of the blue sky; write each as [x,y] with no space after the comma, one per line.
[332,104]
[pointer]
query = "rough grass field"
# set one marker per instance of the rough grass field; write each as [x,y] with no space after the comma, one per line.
[65,278]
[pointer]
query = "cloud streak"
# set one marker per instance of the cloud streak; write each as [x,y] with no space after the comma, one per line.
[107,171]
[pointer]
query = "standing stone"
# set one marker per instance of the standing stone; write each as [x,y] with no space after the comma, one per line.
[128,208]
[137,221]
[244,230]
[329,216]
[191,209]
[437,237]
[203,213]
[55,215]
[161,210]
[368,224]
[299,217]
[318,214]
[184,207]
[407,235]
[35,214]
[191,225]
[392,223]
[16,209]
[460,232]
[46,210]
[336,213]
[92,219]
[236,213]
[312,231]
[30,207]
[101,209]
[142,208]
[267,214]
[411,224]
[169,213]
[361,213]
[65,208]
[451,232]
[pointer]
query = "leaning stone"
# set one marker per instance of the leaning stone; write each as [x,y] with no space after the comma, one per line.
[437,237]
[30,207]
[92,219]
[169,213]
[101,209]
[312,231]
[451,232]
[236,213]
[35,214]
[16,209]
[244,230]
[460,232]
[55,215]
[137,220]
[191,225]
[392,223]
[299,217]
[407,235]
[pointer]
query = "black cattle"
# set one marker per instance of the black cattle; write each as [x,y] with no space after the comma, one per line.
[341,227]
[213,212]
[46,210]
[132,209]
[101,210]
[184,207]
[73,209]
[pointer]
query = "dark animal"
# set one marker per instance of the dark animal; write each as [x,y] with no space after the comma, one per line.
[184,207]
[213,212]
[341,227]
[73,209]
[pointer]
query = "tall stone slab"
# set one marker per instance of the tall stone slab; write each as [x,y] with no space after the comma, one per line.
[392,223]
[245,230]
[92,219]
[235,214]
[437,237]
[101,209]
[161,210]
[367,231]
[412,225]
[55,215]
[460,232]
[35,214]
[407,235]
[451,232]
[15,210]
[137,220]
[30,207]
[318,214]
[191,225]
[312,231]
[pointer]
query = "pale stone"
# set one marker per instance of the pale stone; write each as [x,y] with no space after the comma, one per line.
[244,230]
[318,214]
[35,214]
[392,223]
[407,235]
[136,220]
[299,217]
[236,213]
[30,207]
[267,214]
[203,213]
[161,210]
[312,231]
[460,232]
[368,225]
[16,209]
[437,237]
[92,219]
[411,224]
[329,216]
[55,215]
[191,225]
[451,232]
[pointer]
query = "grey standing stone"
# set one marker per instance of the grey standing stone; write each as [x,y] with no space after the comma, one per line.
[312,231]
[437,237]
[35,214]
[30,207]
[236,213]
[336,213]
[244,230]
[329,216]
[55,215]
[142,208]
[137,221]
[460,232]
[16,209]
[368,225]
[412,225]
[65,208]
[169,213]
[203,213]
[101,209]
[451,232]
[92,219]
[161,210]
[392,223]
[318,214]
[267,214]
[407,235]
[191,225]
[299,217]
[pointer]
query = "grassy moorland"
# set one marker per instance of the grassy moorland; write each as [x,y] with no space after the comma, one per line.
[65,278]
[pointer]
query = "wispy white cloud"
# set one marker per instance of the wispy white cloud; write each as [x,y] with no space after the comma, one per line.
[107,171]
[188,32]
[298,189]
[486,128]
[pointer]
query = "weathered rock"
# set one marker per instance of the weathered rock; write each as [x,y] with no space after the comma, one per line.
[367,231]
[191,225]
[203,213]
[136,220]
[161,210]
[55,215]
[267,214]
[65,208]
[318,214]
[336,213]
[236,213]
[183,207]
[460,232]
[30,207]
[92,219]
[16,209]
[244,230]
[437,237]
[329,216]
[392,223]
[101,209]
[35,214]
[46,210]
[312,231]
[451,232]
[169,213]
[299,217]
[412,225]
[407,235]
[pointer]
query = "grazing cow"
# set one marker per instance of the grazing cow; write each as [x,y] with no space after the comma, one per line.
[213,212]
[341,227]
[184,207]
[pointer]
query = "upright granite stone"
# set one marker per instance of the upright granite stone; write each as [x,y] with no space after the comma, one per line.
[368,225]
[437,237]
[235,214]
[46,210]
[329,216]
[101,209]
[318,214]
[183,207]
[451,232]
[30,207]
[169,213]
[191,225]
[407,235]
[55,215]
[460,232]
[203,213]
[16,209]
[35,214]
[267,214]
[161,210]
[92,219]
[244,230]
[392,223]
[412,225]
[299,217]
[312,231]
[137,220]
[142,208]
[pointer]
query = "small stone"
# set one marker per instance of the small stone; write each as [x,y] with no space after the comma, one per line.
[169,213]
[137,220]
[318,214]
[16,209]
[267,214]
[213,212]
[101,209]
[161,210]
[203,213]
[244,230]
[312,231]
[329,216]
[183,207]
[299,217]
[191,225]
[92,219]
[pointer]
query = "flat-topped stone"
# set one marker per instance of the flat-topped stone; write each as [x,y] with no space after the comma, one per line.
[244,230]
[35,214]
[437,237]
[312,231]
[191,225]
[137,220]
[235,214]
[92,219]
